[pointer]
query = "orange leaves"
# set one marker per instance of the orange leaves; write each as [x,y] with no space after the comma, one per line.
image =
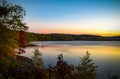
[22,43]
[22,39]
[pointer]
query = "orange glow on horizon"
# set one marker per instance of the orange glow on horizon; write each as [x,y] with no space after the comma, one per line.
[101,33]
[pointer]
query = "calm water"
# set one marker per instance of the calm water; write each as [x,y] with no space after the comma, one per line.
[105,54]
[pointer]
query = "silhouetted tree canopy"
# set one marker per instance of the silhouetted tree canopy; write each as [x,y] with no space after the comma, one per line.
[86,68]
[11,20]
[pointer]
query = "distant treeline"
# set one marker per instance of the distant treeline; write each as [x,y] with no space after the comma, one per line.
[69,37]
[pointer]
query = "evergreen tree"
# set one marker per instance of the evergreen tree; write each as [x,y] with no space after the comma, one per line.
[86,69]
[37,58]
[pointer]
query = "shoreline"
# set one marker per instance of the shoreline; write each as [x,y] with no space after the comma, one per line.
[30,45]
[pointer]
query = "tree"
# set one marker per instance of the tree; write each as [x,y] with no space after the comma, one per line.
[86,68]
[62,70]
[37,59]
[11,22]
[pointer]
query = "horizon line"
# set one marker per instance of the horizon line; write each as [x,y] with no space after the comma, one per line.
[105,35]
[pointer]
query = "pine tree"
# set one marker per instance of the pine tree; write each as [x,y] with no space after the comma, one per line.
[86,68]
[37,58]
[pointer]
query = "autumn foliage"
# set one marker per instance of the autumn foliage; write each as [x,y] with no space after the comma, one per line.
[11,21]
[22,42]
[62,70]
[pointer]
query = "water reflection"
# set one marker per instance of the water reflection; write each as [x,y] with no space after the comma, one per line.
[106,54]
[105,43]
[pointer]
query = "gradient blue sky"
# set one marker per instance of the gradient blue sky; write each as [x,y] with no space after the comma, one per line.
[101,17]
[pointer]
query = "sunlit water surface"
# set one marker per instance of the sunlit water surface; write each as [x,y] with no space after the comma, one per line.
[105,54]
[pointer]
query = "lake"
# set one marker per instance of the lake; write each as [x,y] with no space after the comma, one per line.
[105,54]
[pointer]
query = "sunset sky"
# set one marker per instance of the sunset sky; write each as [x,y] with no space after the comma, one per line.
[99,17]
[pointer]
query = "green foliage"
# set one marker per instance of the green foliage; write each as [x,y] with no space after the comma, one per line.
[11,20]
[37,58]
[11,16]
[62,70]
[69,37]
[86,69]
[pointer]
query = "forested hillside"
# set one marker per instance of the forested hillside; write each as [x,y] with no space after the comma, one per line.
[69,37]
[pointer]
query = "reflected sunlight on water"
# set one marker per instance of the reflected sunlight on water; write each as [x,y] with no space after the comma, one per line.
[106,54]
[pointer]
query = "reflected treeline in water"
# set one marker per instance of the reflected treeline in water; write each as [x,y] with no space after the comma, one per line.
[76,43]
[34,69]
